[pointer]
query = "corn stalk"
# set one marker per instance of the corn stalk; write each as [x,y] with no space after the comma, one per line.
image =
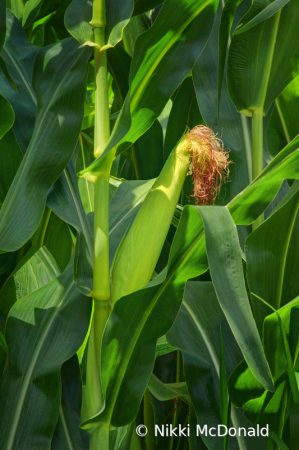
[101,281]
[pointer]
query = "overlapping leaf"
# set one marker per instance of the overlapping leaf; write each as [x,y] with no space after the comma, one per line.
[43,330]
[59,81]
[19,55]
[79,14]
[267,257]
[263,60]
[196,331]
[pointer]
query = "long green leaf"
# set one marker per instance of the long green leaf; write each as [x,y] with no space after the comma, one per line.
[79,14]
[226,270]
[43,330]
[278,441]
[284,123]
[267,257]
[226,23]
[269,11]
[196,333]
[19,55]
[59,81]
[68,435]
[2,22]
[7,116]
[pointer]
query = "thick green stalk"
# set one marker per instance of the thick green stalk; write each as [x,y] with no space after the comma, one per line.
[99,440]
[257,152]
[102,124]
[101,281]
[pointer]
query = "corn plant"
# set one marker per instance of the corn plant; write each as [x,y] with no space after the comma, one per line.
[149,224]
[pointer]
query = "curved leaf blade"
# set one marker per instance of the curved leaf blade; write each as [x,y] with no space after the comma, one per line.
[269,11]
[39,340]
[225,263]
[7,116]
[59,81]
[79,14]
[267,256]
[19,55]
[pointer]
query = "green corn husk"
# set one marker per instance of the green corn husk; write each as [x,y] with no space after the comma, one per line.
[139,252]
[137,256]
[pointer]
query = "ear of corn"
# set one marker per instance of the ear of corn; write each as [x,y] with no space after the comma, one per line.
[139,252]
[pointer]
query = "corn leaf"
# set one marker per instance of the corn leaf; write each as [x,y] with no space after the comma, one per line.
[226,270]
[278,441]
[225,27]
[55,84]
[31,11]
[7,116]
[2,22]
[267,257]
[141,6]
[196,333]
[67,435]
[79,14]
[262,406]
[43,330]
[266,56]
[184,113]
[269,11]
[284,123]
[19,55]
[174,38]
[164,391]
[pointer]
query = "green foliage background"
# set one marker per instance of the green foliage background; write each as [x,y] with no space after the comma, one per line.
[213,337]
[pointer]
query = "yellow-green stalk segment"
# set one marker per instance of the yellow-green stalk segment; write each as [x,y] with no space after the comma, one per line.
[138,255]
[101,282]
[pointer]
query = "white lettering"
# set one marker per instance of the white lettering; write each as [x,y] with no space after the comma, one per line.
[266,431]
[181,431]
[202,431]
[244,431]
[157,430]
[172,431]
[219,430]
[232,432]
[251,431]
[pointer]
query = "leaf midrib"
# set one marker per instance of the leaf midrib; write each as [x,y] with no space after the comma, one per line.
[21,74]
